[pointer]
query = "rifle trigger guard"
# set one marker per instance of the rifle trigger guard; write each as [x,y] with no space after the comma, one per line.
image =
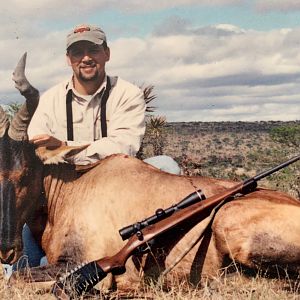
[146,248]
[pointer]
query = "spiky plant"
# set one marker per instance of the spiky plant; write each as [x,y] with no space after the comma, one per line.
[154,125]
[149,97]
[155,130]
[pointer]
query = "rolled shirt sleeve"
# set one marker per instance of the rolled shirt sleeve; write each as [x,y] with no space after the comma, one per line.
[43,117]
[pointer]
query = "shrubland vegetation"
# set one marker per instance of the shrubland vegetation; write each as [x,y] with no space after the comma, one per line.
[232,150]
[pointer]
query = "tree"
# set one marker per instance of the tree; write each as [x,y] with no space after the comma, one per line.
[288,179]
[12,108]
[287,134]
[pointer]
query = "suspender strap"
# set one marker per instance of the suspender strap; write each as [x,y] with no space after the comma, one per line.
[103,108]
[70,134]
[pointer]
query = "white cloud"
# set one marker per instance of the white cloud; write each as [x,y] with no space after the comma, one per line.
[44,8]
[243,113]
[275,5]
[23,19]
[220,72]
[246,75]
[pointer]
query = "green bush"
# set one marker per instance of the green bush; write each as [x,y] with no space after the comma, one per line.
[288,135]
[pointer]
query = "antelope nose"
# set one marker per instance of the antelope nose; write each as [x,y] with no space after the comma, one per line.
[8,256]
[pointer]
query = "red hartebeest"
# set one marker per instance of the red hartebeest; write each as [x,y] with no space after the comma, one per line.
[85,210]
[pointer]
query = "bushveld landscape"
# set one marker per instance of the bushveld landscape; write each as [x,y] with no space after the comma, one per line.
[235,150]
[232,150]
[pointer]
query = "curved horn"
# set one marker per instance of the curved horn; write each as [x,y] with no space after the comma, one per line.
[3,122]
[18,128]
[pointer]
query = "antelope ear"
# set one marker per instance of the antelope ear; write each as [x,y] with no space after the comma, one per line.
[58,155]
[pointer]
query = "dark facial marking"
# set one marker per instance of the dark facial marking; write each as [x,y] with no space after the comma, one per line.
[7,214]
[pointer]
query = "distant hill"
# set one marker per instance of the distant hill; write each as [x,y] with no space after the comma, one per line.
[209,127]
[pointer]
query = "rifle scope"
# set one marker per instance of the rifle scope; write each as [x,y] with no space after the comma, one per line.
[160,214]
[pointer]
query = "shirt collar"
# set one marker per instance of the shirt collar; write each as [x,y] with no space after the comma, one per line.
[70,86]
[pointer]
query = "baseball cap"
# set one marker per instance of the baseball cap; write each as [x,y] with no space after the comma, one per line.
[86,32]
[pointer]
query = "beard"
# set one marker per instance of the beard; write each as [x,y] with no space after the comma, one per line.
[88,77]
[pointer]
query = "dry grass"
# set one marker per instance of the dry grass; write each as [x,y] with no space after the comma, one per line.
[20,290]
[232,286]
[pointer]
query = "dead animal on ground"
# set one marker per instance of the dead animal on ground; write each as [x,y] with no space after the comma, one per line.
[85,210]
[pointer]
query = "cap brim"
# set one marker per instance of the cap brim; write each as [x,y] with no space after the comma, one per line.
[79,38]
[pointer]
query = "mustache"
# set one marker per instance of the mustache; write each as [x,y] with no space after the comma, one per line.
[87,63]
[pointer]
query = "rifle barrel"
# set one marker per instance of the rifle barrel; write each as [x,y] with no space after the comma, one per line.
[275,169]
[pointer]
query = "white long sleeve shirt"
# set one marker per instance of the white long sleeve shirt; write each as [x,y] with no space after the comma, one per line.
[125,118]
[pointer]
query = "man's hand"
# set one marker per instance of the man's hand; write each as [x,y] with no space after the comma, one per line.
[46,140]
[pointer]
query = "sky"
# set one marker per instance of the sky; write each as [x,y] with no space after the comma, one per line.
[208,60]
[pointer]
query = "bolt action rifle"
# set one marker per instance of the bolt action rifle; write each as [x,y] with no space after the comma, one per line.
[85,276]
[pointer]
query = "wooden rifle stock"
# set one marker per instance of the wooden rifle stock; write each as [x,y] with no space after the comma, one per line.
[84,277]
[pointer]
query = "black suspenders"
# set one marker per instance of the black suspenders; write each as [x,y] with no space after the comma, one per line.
[103,108]
[70,134]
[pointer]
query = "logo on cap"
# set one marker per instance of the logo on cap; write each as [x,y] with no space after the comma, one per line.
[82,29]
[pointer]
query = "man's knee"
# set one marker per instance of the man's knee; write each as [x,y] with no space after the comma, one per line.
[164,163]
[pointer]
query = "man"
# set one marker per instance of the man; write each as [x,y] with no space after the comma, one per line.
[74,112]
[108,113]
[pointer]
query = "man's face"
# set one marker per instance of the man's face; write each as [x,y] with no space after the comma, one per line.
[88,60]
